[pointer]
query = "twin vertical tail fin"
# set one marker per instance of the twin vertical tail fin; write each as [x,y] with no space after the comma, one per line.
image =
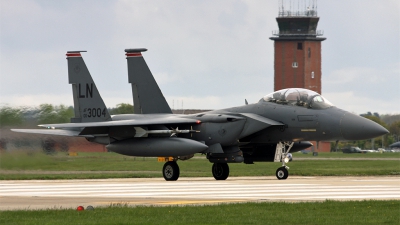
[147,96]
[88,104]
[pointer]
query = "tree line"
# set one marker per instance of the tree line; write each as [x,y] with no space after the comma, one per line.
[47,114]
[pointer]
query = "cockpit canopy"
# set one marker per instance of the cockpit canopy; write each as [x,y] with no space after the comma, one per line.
[298,97]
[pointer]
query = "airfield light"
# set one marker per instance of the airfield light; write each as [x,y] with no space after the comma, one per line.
[286,160]
[89,207]
[80,208]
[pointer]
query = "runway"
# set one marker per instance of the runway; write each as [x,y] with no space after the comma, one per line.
[46,194]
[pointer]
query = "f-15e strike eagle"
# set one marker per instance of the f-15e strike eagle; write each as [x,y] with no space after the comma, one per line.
[281,122]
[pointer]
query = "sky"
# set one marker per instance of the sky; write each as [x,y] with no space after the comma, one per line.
[204,54]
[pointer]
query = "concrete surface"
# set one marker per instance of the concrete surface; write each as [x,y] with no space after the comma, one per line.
[47,194]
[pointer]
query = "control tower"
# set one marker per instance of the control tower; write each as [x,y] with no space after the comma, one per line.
[297,46]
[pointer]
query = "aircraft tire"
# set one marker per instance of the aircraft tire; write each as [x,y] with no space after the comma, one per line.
[282,173]
[171,171]
[220,171]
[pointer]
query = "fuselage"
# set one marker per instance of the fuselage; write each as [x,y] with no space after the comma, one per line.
[288,115]
[299,124]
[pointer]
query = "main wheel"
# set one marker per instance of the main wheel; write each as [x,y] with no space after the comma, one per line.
[282,173]
[220,171]
[171,171]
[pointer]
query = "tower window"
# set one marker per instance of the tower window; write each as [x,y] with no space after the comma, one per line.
[299,46]
[312,74]
[294,65]
[309,52]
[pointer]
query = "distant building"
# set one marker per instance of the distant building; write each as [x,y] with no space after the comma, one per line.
[297,47]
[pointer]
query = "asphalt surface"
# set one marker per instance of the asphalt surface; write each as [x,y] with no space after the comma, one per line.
[49,194]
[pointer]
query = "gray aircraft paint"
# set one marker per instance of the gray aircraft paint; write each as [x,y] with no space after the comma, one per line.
[161,147]
[88,104]
[248,133]
[147,96]
[249,125]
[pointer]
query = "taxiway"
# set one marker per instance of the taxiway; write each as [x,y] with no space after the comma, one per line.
[47,194]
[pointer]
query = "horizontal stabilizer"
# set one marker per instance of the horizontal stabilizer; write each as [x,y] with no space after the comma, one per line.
[69,133]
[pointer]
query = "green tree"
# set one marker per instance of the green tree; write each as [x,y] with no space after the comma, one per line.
[394,130]
[122,108]
[10,116]
[54,114]
[390,118]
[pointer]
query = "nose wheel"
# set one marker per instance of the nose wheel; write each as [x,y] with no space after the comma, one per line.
[282,173]
[171,171]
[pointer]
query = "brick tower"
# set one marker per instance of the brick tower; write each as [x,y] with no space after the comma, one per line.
[298,52]
[298,49]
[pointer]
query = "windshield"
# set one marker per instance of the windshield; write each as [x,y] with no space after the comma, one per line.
[298,97]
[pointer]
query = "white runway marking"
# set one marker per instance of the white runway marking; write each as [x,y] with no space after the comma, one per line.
[71,193]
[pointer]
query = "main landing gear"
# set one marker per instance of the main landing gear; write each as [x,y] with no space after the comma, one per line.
[171,171]
[282,149]
[220,171]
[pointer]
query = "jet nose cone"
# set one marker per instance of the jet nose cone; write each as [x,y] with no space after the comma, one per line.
[354,127]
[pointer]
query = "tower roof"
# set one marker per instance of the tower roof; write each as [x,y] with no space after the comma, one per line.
[298,24]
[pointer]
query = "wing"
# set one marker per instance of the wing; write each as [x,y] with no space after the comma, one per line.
[132,122]
[97,128]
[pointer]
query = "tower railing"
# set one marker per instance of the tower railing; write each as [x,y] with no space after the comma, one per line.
[297,33]
[290,13]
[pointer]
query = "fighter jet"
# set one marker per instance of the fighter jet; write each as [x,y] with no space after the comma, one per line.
[279,123]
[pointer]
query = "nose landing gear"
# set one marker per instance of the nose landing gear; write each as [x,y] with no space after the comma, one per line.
[282,173]
[282,149]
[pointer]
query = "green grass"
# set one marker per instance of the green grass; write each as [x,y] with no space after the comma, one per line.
[31,165]
[327,212]
[392,155]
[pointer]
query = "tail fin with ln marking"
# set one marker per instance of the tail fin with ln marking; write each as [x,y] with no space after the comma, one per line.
[88,104]
[147,96]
